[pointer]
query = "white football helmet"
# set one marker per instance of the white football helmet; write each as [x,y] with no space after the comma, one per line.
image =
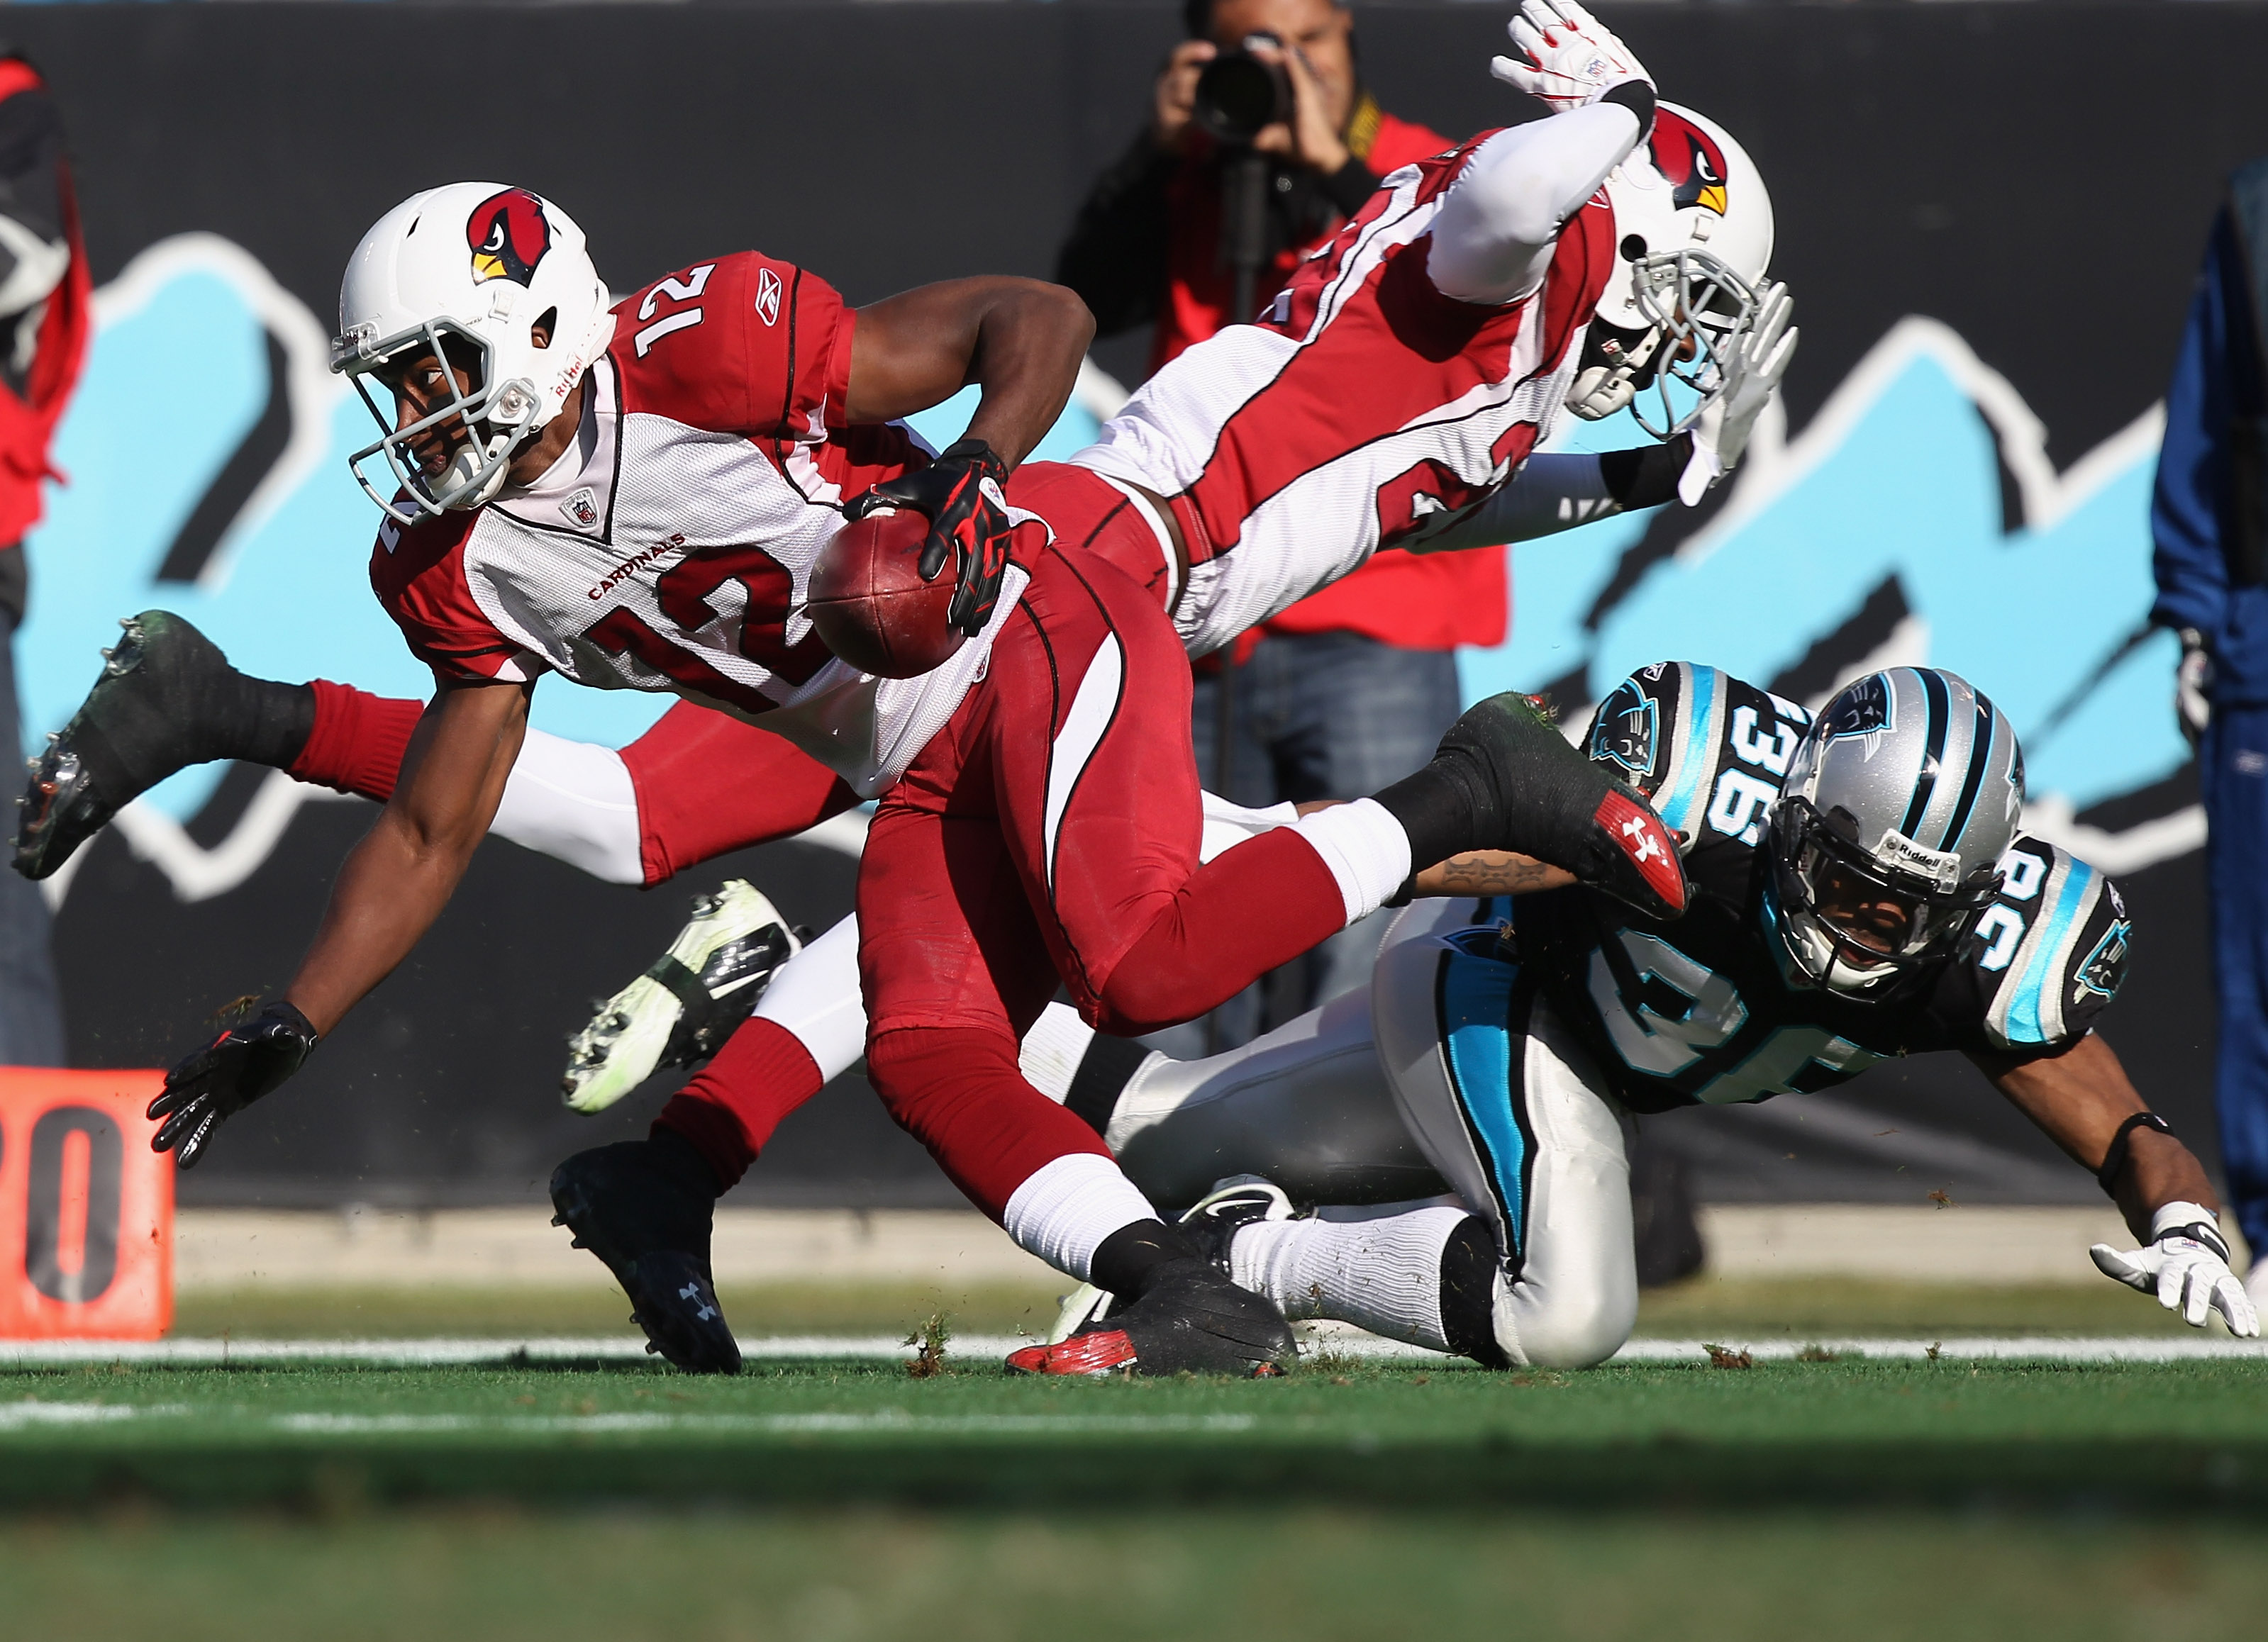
[466,273]
[1694,229]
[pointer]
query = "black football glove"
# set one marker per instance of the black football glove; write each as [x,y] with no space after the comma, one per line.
[969,517]
[225,1076]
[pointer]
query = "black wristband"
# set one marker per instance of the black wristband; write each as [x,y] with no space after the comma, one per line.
[2115,1159]
[1645,476]
[1639,98]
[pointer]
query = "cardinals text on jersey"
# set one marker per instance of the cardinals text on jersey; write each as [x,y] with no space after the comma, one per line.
[671,546]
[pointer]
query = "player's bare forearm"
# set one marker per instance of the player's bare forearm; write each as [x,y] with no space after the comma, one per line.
[1490,872]
[396,881]
[1021,340]
[2079,1098]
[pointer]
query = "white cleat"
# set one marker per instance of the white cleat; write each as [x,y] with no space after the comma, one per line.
[1212,1222]
[681,1011]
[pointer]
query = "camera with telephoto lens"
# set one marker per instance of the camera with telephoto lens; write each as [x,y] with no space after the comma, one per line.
[1239,96]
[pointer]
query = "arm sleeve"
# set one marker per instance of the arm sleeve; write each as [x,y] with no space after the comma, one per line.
[1494,235]
[2186,513]
[1558,490]
[1116,256]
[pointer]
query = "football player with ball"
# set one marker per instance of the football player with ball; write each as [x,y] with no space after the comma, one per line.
[643,496]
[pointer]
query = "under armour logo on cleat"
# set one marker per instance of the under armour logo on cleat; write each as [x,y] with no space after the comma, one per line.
[703,1310]
[1648,846]
[1639,836]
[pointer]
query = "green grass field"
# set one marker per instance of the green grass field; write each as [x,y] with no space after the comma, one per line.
[1705,1308]
[847,1499]
[840,1500]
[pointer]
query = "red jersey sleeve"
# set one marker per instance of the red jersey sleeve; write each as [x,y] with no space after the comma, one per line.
[743,344]
[418,574]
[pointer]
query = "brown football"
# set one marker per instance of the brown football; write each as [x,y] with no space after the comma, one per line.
[870,603]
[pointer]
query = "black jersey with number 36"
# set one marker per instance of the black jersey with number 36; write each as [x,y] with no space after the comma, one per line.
[1698,1010]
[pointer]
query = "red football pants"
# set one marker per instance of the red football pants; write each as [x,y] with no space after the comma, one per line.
[1051,830]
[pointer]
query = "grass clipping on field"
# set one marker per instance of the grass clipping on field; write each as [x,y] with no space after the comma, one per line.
[929,1342]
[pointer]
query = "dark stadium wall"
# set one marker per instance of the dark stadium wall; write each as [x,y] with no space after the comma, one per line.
[1959,163]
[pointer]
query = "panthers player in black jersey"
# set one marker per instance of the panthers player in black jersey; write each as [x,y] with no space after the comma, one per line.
[1860,889]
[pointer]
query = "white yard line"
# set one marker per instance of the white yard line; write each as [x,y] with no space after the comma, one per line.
[886,1348]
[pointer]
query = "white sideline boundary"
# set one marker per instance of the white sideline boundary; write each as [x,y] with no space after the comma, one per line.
[445,1352]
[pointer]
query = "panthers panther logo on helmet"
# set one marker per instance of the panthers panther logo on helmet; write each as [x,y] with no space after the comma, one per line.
[1689,159]
[509,234]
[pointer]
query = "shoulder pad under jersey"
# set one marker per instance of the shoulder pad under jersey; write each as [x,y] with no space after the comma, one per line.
[2050,950]
[1709,750]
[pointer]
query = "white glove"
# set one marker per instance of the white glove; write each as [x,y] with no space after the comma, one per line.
[1721,432]
[2193,687]
[1572,58]
[2186,1266]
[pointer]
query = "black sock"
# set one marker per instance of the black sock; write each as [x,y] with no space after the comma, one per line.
[270,721]
[682,1160]
[1104,1071]
[1129,1260]
[1435,809]
[1468,1269]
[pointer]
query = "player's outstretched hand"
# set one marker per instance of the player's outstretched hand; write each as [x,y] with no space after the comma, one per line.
[1568,57]
[968,522]
[1761,358]
[2185,1264]
[225,1076]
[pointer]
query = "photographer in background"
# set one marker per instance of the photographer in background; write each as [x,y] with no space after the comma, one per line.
[46,304]
[1350,690]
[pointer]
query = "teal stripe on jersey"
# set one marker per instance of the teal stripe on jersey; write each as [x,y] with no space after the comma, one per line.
[2044,970]
[1476,1006]
[1694,757]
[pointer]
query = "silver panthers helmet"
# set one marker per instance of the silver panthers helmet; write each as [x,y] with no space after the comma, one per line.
[1887,839]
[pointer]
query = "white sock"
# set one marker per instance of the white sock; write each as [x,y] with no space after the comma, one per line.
[1381,1272]
[1366,849]
[814,995]
[1064,1209]
[1051,1050]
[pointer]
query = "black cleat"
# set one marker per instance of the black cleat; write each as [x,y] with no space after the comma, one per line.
[1211,1224]
[1191,1320]
[644,1207]
[1528,791]
[1240,1200]
[167,698]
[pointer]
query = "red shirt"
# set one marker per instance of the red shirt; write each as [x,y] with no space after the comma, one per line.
[27,420]
[1426,601]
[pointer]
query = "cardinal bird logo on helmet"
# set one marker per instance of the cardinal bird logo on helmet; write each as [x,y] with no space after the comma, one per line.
[1690,159]
[509,234]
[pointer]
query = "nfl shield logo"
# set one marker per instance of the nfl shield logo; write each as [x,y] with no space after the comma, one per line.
[582,509]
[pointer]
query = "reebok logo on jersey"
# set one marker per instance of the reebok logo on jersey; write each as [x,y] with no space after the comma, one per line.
[767,296]
[582,509]
[1636,831]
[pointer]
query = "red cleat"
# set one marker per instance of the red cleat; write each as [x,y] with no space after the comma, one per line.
[1101,1350]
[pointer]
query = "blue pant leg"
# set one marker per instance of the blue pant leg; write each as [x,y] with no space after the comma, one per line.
[2232,766]
[31,1001]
